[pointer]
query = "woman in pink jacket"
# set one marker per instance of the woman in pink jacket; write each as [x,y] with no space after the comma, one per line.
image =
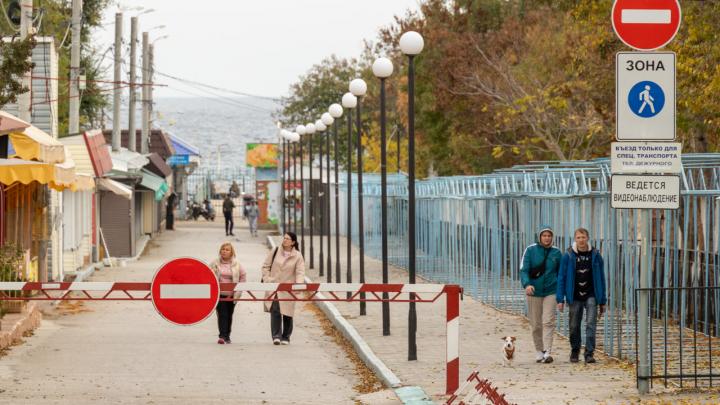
[283,265]
[227,270]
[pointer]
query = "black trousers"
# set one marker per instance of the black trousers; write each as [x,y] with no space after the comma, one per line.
[281,326]
[224,311]
[228,222]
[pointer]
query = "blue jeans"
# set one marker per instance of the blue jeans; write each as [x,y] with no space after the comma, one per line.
[576,315]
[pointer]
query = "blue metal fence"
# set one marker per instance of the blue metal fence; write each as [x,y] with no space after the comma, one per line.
[472,230]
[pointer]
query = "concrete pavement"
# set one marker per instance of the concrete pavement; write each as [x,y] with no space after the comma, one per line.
[124,353]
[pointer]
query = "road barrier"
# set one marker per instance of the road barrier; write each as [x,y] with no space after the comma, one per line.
[483,388]
[254,291]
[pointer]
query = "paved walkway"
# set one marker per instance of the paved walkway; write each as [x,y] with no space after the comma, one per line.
[125,353]
[482,327]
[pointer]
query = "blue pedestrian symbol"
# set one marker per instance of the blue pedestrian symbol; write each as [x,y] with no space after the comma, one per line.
[646,99]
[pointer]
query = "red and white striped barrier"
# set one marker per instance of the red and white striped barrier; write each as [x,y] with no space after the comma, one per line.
[337,292]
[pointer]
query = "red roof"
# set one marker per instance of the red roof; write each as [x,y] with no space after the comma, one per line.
[99,154]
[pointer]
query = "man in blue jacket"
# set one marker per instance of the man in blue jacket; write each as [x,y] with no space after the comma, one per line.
[538,275]
[581,282]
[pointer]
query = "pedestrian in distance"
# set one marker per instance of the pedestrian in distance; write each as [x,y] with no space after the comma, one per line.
[581,283]
[284,264]
[538,274]
[228,206]
[252,215]
[227,270]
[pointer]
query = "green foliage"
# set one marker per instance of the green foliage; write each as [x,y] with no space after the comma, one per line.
[14,62]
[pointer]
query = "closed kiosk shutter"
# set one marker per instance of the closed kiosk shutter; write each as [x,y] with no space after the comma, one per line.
[117,224]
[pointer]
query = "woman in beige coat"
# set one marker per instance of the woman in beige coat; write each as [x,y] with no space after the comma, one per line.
[283,265]
[227,270]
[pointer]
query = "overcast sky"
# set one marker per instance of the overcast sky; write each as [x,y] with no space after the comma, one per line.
[253,46]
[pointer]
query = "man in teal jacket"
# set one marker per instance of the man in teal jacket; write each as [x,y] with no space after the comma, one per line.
[538,275]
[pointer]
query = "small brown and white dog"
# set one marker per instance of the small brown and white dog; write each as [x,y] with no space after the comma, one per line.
[508,352]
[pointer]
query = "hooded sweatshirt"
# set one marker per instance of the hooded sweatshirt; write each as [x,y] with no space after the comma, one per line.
[533,256]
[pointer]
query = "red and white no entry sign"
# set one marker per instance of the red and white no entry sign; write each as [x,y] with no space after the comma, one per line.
[185,291]
[646,24]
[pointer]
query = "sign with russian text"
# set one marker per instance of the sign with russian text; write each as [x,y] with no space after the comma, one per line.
[644,191]
[645,96]
[646,157]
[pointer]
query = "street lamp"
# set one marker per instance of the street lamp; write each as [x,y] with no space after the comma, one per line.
[382,68]
[320,127]
[309,131]
[283,138]
[327,120]
[358,88]
[349,101]
[411,44]
[300,130]
[335,111]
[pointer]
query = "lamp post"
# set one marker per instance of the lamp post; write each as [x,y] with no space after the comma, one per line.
[382,68]
[411,44]
[300,130]
[328,120]
[349,101]
[309,131]
[320,128]
[295,138]
[283,138]
[336,112]
[358,88]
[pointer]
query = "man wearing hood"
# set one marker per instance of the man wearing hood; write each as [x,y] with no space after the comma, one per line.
[581,282]
[538,275]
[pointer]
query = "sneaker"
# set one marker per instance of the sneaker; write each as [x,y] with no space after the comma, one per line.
[227,341]
[284,342]
[574,357]
[547,358]
[590,359]
[539,356]
[221,341]
[276,341]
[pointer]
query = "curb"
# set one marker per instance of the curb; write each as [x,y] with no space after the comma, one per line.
[409,395]
[28,320]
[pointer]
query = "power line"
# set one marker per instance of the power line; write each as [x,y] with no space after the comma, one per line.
[239,93]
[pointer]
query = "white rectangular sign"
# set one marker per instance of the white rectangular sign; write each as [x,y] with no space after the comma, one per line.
[646,157]
[643,191]
[645,96]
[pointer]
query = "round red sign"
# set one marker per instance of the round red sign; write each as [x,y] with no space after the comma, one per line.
[646,25]
[185,291]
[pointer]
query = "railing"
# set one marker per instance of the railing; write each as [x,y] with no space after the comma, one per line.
[681,349]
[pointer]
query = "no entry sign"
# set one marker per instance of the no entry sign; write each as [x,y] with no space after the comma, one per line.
[646,24]
[185,291]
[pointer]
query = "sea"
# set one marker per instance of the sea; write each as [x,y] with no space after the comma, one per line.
[219,127]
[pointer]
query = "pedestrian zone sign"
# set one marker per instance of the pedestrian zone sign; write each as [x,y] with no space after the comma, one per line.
[643,191]
[645,96]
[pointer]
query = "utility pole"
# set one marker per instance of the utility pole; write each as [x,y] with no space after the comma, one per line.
[145,93]
[131,103]
[116,134]
[25,99]
[74,116]
[151,68]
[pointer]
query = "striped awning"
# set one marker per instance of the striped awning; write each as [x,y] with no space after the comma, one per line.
[57,176]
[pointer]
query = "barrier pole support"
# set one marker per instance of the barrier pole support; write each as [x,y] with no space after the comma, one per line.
[452,338]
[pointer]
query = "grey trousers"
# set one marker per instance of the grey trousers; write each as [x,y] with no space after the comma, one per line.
[541,313]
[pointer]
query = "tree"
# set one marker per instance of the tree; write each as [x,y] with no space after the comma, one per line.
[14,63]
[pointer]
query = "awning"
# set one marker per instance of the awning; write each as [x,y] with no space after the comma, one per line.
[157,165]
[24,171]
[154,183]
[125,160]
[115,187]
[10,123]
[83,182]
[34,144]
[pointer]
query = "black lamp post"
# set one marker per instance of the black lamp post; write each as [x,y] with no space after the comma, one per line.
[336,112]
[327,120]
[300,130]
[296,137]
[309,133]
[320,128]
[349,101]
[282,140]
[358,88]
[383,68]
[411,44]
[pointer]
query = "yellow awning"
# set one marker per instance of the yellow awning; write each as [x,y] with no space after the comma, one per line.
[34,144]
[83,182]
[57,176]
